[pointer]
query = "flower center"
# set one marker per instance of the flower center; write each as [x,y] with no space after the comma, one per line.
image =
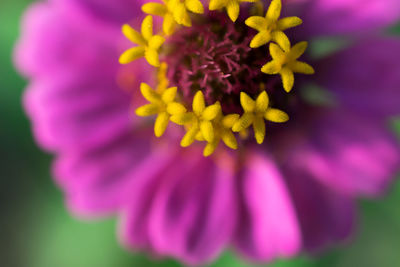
[224,73]
[214,56]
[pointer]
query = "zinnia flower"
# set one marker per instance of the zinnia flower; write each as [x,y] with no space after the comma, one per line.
[283,161]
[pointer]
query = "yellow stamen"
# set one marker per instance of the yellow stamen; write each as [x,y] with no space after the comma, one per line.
[162,104]
[254,114]
[222,131]
[285,63]
[257,9]
[148,44]
[232,6]
[174,12]
[270,28]
[162,79]
[198,121]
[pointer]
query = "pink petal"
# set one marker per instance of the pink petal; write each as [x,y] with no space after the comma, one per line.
[79,97]
[100,181]
[77,113]
[353,154]
[114,11]
[328,17]
[365,77]
[326,216]
[269,226]
[187,211]
[52,39]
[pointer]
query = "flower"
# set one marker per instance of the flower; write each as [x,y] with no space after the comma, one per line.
[270,27]
[148,44]
[174,12]
[254,114]
[199,121]
[232,7]
[161,104]
[293,192]
[284,61]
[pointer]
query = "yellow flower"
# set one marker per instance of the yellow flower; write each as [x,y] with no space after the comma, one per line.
[174,12]
[285,63]
[148,44]
[270,27]
[222,131]
[232,6]
[162,79]
[198,121]
[161,104]
[254,114]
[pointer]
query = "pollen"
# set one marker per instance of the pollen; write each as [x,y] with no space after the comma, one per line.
[232,6]
[148,44]
[198,121]
[174,12]
[270,28]
[255,114]
[161,104]
[284,62]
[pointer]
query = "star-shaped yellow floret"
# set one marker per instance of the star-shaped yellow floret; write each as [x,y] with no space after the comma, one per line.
[174,12]
[254,114]
[222,131]
[162,79]
[232,6]
[148,44]
[270,27]
[161,104]
[285,63]
[198,121]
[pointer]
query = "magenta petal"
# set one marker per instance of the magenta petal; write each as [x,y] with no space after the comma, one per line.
[114,11]
[325,216]
[99,181]
[77,113]
[56,39]
[327,17]
[353,154]
[269,226]
[75,99]
[366,76]
[186,211]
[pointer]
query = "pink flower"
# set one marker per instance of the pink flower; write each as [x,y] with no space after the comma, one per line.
[296,191]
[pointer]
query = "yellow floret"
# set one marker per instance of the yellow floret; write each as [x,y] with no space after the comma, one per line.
[198,121]
[174,12]
[161,104]
[254,114]
[270,27]
[286,64]
[148,44]
[162,79]
[223,131]
[232,6]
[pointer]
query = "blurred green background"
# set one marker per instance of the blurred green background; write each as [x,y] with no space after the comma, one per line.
[37,231]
